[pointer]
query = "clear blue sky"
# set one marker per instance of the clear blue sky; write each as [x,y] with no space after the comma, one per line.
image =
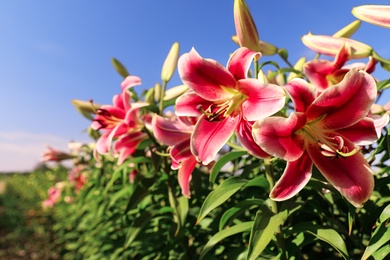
[54,51]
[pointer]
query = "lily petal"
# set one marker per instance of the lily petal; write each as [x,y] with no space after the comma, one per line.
[209,137]
[244,136]
[130,81]
[355,183]
[205,76]
[170,132]
[180,152]
[362,133]
[296,175]
[263,99]
[276,135]
[302,94]
[126,145]
[346,103]
[240,61]
[189,104]
[185,174]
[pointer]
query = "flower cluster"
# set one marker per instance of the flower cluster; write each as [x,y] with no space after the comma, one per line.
[319,113]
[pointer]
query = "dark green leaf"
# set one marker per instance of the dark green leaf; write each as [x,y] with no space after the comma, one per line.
[380,237]
[238,209]
[239,228]
[327,235]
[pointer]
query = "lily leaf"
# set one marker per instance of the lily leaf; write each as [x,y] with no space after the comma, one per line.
[223,161]
[327,235]
[223,192]
[239,228]
[265,225]
[380,237]
[238,209]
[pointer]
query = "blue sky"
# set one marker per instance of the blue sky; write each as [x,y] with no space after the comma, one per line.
[54,51]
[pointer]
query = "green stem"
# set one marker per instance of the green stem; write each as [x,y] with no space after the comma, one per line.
[256,68]
[269,174]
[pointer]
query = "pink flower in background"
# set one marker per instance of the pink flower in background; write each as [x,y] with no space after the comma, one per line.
[54,195]
[223,99]
[77,177]
[54,155]
[176,133]
[324,73]
[324,130]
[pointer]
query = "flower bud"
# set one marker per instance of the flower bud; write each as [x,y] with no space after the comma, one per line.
[348,30]
[86,108]
[374,14]
[247,33]
[175,92]
[118,66]
[157,92]
[299,67]
[266,49]
[330,45]
[170,63]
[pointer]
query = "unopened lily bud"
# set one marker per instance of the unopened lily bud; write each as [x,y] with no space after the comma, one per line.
[299,67]
[374,14]
[266,49]
[86,108]
[262,77]
[149,96]
[120,68]
[170,63]
[247,33]
[348,30]
[330,45]
[283,53]
[157,92]
[175,92]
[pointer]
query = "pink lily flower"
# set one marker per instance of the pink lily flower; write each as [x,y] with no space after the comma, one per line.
[224,98]
[77,177]
[118,119]
[324,130]
[324,73]
[54,195]
[176,133]
[55,155]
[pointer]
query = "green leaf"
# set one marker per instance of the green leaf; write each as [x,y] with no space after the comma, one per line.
[137,226]
[223,192]
[265,225]
[327,235]
[385,215]
[381,253]
[239,228]
[382,85]
[380,237]
[119,67]
[260,182]
[222,162]
[124,192]
[140,192]
[238,209]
